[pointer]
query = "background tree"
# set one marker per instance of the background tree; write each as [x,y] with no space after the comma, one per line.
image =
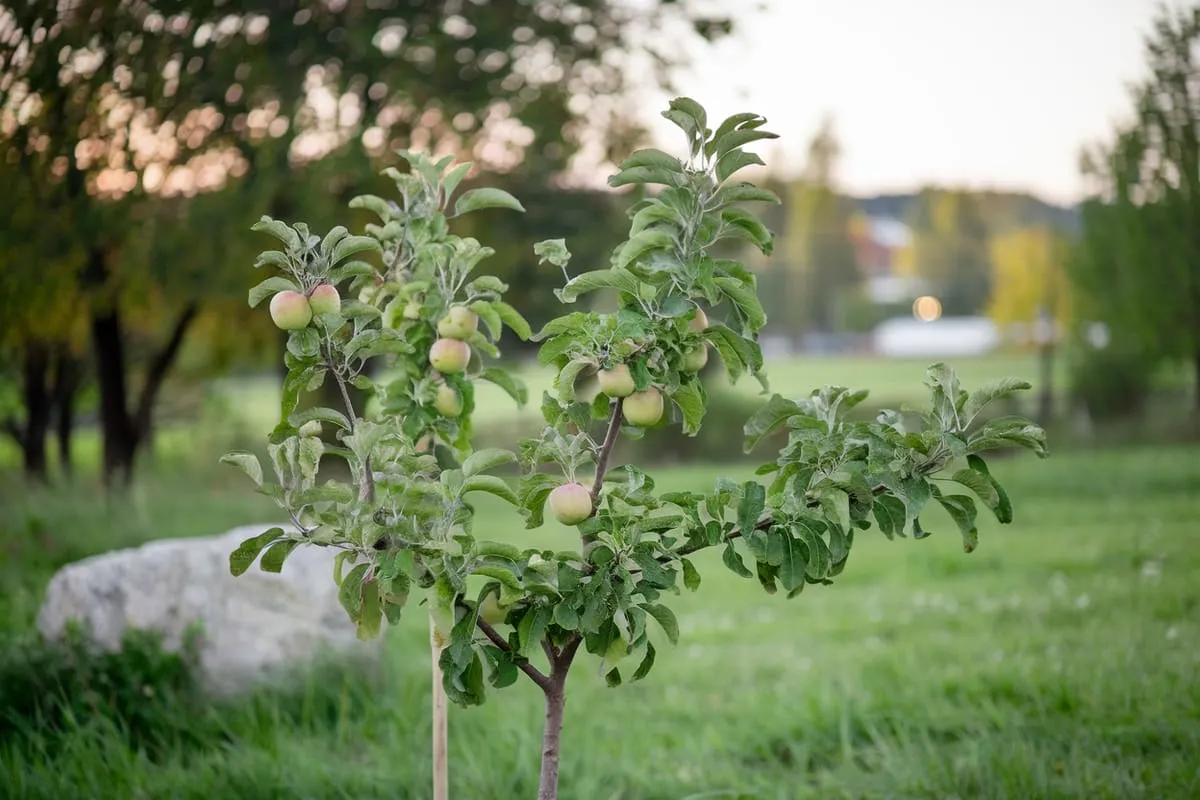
[818,252]
[1138,264]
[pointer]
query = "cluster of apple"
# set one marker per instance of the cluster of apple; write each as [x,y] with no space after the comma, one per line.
[450,355]
[572,503]
[293,311]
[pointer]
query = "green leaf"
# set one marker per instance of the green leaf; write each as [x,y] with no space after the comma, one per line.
[492,484]
[329,415]
[733,559]
[532,628]
[665,618]
[532,493]
[552,250]
[735,139]
[690,397]
[454,177]
[246,462]
[735,160]
[272,258]
[754,500]
[513,319]
[691,578]
[269,288]
[819,557]
[653,214]
[241,558]
[276,554]
[619,279]
[370,617]
[962,510]
[640,244]
[666,176]
[352,245]
[513,387]
[793,567]
[748,227]
[651,157]
[350,591]
[742,192]
[989,392]
[745,299]
[486,459]
[774,413]
[647,664]
[1003,506]
[488,314]
[485,197]
[565,380]
[689,116]
[890,514]
[279,230]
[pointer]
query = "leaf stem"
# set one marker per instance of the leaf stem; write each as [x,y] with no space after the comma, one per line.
[366,484]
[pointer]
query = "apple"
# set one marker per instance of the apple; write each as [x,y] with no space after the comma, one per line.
[695,359]
[491,612]
[448,402]
[290,310]
[698,322]
[571,503]
[311,429]
[325,300]
[617,381]
[459,323]
[412,309]
[643,408]
[449,355]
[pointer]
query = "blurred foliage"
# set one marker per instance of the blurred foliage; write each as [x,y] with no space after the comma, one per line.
[950,249]
[1110,383]
[1138,264]
[1028,274]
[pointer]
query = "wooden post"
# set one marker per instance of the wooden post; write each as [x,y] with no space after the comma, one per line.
[441,777]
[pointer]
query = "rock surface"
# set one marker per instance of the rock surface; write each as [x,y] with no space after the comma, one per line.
[254,627]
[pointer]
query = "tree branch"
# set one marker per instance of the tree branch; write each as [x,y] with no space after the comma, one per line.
[159,367]
[610,440]
[534,674]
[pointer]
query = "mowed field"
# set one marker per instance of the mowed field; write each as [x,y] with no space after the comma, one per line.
[1059,660]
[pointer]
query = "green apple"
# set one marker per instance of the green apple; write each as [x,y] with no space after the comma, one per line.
[290,310]
[449,355]
[698,322]
[695,359]
[325,300]
[643,408]
[571,503]
[459,323]
[617,381]
[491,612]
[311,429]
[448,402]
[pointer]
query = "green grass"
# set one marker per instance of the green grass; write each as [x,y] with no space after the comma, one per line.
[1059,660]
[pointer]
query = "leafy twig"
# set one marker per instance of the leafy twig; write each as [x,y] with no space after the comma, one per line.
[610,440]
[533,672]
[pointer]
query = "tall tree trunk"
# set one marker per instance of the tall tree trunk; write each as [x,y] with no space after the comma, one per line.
[68,376]
[119,435]
[31,435]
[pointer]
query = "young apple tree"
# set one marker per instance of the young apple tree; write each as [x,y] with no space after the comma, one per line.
[404,522]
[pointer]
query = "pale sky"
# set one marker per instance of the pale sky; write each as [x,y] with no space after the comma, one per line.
[970,92]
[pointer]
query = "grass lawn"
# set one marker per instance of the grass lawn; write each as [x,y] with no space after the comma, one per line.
[1060,659]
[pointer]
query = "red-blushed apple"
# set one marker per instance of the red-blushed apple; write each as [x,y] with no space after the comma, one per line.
[312,428]
[695,359]
[449,356]
[491,612]
[616,381]
[324,299]
[448,402]
[698,322]
[459,323]
[643,408]
[571,503]
[290,310]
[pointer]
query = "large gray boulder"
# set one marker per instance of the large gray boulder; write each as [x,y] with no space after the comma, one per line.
[253,628]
